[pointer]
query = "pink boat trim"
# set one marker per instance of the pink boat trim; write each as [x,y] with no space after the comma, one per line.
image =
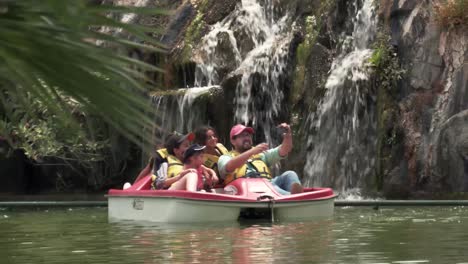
[250,189]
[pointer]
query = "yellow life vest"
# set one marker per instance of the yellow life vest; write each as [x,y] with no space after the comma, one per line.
[257,163]
[163,153]
[211,161]
[174,166]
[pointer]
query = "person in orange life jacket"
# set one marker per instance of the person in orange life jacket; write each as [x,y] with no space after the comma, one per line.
[191,178]
[207,136]
[249,161]
[168,161]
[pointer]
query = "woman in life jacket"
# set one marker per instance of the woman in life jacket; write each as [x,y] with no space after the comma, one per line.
[194,175]
[166,163]
[207,136]
[166,171]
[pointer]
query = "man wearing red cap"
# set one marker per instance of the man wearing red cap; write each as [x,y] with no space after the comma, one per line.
[248,161]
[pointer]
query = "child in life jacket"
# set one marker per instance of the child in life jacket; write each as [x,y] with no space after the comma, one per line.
[194,175]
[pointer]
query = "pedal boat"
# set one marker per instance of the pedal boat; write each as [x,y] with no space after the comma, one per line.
[254,197]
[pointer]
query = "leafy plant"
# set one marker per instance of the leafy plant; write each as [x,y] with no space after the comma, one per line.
[52,51]
[193,34]
[385,62]
[387,71]
[42,135]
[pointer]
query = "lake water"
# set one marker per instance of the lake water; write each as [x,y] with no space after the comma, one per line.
[353,235]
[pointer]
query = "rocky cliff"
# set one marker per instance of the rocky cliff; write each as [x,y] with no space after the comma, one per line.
[412,127]
[376,90]
[432,100]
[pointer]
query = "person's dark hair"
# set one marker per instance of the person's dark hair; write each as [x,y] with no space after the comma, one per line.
[193,150]
[173,141]
[200,134]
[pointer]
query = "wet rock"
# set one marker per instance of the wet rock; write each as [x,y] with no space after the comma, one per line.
[417,42]
[415,128]
[229,84]
[317,69]
[453,48]
[430,97]
[179,20]
[451,155]
[296,8]
[245,42]
[224,54]
[220,114]
[340,18]
[396,185]
[219,9]
[324,38]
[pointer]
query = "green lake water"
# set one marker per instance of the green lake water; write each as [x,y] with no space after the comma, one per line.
[353,235]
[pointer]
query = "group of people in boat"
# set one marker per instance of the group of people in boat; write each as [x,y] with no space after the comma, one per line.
[197,161]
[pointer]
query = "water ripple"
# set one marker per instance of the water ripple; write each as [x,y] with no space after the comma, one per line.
[353,235]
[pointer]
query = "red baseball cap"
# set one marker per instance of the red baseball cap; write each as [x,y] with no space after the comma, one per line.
[190,136]
[239,128]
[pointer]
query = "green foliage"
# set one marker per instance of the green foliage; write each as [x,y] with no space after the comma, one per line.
[303,50]
[387,73]
[312,25]
[385,63]
[192,35]
[41,134]
[203,5]
[376,59]
[302,55]
[49,53]
[452,13]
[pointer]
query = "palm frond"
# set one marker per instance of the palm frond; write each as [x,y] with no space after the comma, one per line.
[48,50]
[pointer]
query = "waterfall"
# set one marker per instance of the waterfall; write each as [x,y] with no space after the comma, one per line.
[342,142]
[175,112]
[259,60]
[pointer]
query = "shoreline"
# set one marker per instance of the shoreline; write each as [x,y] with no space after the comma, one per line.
[60,197]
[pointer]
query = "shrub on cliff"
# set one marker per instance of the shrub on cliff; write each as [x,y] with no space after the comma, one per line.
[452,13]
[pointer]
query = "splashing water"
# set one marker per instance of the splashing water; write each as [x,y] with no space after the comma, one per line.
[343,128]
[260,60]
[175,112]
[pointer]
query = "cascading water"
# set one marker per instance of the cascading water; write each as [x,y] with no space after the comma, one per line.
[259,60]
[174,112]
[343,127]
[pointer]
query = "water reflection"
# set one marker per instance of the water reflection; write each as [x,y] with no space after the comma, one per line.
[244,242]
[354,235]
[182,243]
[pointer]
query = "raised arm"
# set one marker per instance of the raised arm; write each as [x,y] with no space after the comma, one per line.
[287,144]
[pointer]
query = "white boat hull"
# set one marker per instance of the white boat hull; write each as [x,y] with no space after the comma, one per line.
[169,210]
[182,210]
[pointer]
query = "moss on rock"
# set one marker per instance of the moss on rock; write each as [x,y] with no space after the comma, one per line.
[311,26]
[386,74]
[192,35]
